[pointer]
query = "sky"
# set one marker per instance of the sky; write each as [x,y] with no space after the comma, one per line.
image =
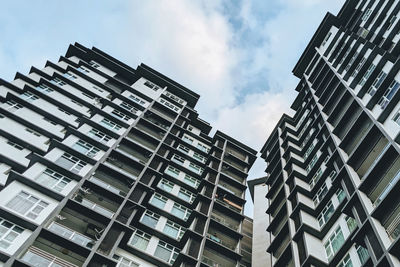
[238,55]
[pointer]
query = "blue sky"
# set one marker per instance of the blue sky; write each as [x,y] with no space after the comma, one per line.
[238,55]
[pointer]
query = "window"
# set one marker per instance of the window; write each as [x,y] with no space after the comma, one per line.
[169,105]
[49,121]
[193,182]
[28,96]
[366,15]
[359,66]
[178,159]
[83,69]
[139,240]
[389,93]
[66,112]
[70,76]
[326,213]
[70,162]
[44,89]
[52,180]
[175,98]
[203,148]
[340,194]
[86,148]
[33,132]
[58,82]
[27,205]
[99,136]
[98,89]
[320,194]
[187,139]
[366,75]
[378,81]
[128,107]
[391,22]
[125,262]
[151,85]
[14,145]
[351,223]
[186,195]
[183,149]
[346,262]
[196,168]
[334,243]
[158,201]
[120,115]
[94,64]
[166,252]
[137,100]
[173,230]
[165,185]
[110,124]
[309,150]
[8,233]
[363,254]
[150,219]
[326,39]
[13,106]
[199,157]
[174,172]
[316,177]
[353,58]
[312,163]
[180,211]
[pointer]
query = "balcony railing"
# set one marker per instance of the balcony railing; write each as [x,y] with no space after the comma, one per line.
[393,229]
[225,222]
[222,202]
[222,242]
[210,262]
[71,235]
[94,206]
[106,186]
[38,257]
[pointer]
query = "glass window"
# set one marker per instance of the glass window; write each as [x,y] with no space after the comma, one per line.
[27,205]
[14,145]
[44,89]
[346,262]
[166,252]
[13,106]
[363,254]
[169,105]
[70,162]
[52,180]
[125,262]
[178,159]
[193,182]
[180,211]
[158,201]
[203,148]
[8,233]
[199,157]
[196,168]
[183,149]
[128,107]
[150,219]
[70,76]
[99,136]
[389,93]
[334,243]
[28,96]
[137,100]
[187,139]
[186,195]
[110,124]
[58,82]
[120,115]
[326,213]
[173,230]
[165,185]
[85,148]
[33,132]
[139,240]
[174,172]
[351,223]
[151,85]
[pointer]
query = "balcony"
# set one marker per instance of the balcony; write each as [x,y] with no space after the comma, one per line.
[229,204]
[134,152]
[231,189]
[225,220]
[70,234]
[226,170]
[150,129]
[140,138]
[213,258]
[96,202]
[222,239]
[38,257]
[123,167]
[111,186]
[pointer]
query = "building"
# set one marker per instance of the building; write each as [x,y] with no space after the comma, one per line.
[333,168]
[261,239]
[105,165]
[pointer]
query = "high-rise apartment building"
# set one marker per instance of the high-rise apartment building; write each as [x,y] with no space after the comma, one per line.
[333,168]
[105,165]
